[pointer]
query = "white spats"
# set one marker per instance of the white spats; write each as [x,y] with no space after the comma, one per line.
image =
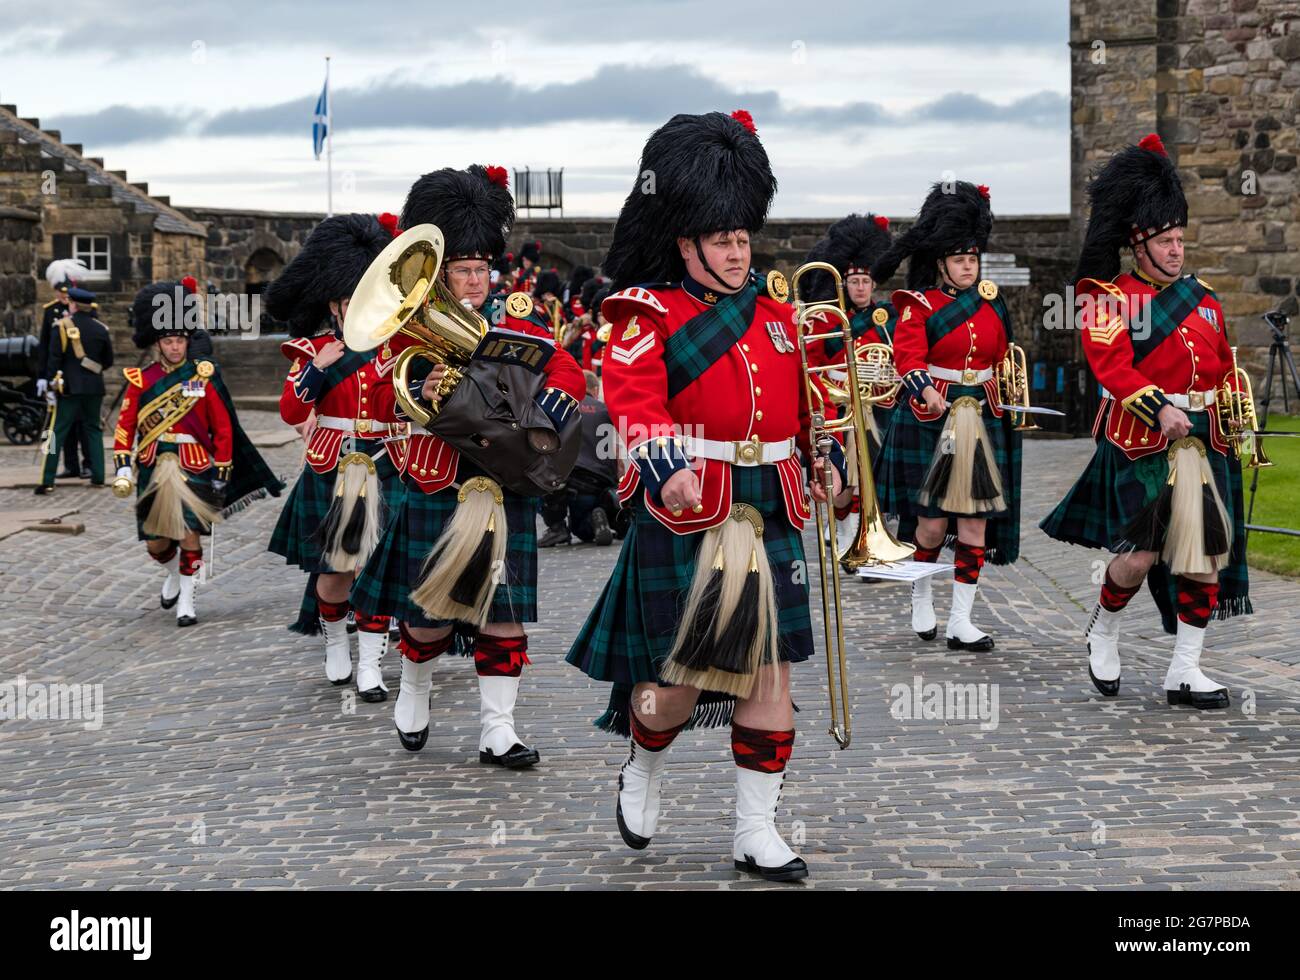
[412,712]
[338,650]
[171,586]
[959,625]
[185,599]
[757,839]
[371,648]
[497,714]
[923,619]
[1185,667]
[638,794]
[1103,645]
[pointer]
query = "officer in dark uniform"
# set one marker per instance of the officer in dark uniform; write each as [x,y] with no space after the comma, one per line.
[79,350]
[61,274]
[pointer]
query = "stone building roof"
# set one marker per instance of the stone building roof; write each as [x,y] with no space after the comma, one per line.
[165,217]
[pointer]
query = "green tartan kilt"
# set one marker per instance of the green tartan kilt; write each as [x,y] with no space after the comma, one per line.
[1113,490]
[904,460]
[630,632]
[384,586]
[201,482]
[310,499]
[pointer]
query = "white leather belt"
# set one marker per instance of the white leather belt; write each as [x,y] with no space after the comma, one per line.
[748,452]
[1193,401]
[360,426]
[966,377]
[178,438]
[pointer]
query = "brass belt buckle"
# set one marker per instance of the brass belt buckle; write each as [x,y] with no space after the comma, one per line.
[748,453]
[968,377]
[1196,400]
[363,426]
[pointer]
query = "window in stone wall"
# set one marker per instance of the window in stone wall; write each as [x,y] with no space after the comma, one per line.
[93,251]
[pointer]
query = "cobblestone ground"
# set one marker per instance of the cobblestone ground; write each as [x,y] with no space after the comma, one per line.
[225,759]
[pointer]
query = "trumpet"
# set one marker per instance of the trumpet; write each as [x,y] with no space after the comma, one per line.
[873,544]
[1237,419]
[401,293]
[555,310]
[1013,386]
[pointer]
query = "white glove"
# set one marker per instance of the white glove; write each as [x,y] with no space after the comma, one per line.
[124,471]
[41,385]
[50,397]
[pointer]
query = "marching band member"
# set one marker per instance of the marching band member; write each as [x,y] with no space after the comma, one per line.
[1162,491]
[950,463]
[443,560]
[178,425]
[704,612]
[349,478]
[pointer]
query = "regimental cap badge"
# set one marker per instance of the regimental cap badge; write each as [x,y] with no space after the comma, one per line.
[777,287]
[519,305]
[204,369]
[880,317]
[988,289]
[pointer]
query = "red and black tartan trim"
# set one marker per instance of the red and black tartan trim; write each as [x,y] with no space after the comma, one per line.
[761,751]
[500,656]
[190,561]
[651,740]
[371,624]
[927,554]
[1196,601]
[332,612]
[969,560]
[163,557]
[1114,596]
[418,651]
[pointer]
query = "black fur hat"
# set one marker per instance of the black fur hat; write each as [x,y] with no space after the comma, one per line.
[578,279]
[955,220]
[328,267]
[548,282]
[532,251]
[472,207]
[589,290]
[1136,195]
[598,297]
[698,174]
[163,309]
[852,244]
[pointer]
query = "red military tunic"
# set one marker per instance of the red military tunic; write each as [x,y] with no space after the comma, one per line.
[364,396]
[1194,359]
[754,391]
[975,346]
[207,422]
[433,465]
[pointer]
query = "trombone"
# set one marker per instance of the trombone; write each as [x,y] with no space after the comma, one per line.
[1237,419]
[401,293]
[873,544]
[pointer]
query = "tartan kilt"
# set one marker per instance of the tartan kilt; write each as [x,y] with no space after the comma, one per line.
[630,632]
[201,482]
[309,501]
[384,586]
[903,461]
[1113,490]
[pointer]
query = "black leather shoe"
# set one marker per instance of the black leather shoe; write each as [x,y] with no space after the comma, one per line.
[85,473]
[553,536]
[183,621]
[929,634]
[790,871]
[43,490]
[414,741]
[518,757]
[374,695]
[603,535]
[346,680]
[1108,688]
[634,841]
[67,474]
[1203,700]
[168,603]
[978,646]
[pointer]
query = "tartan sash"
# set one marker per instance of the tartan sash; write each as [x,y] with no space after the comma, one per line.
[943,321]
[1163,314]
[346,366]
[163,405]
[703,339]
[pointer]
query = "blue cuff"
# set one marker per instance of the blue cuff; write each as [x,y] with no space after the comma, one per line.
[1146,407]
[309,382]
[837,460]
[916,382]
[657,460]
[558,405]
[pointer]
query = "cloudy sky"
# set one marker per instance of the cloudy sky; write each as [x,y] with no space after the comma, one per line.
[860,103]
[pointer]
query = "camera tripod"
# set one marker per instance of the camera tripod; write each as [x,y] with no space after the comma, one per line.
[1281,365]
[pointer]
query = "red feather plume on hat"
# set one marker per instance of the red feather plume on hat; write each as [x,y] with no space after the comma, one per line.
[498,176]
[743,117]
[882,222]
[1153,143]
[984,191]
[389,221]
[190,284]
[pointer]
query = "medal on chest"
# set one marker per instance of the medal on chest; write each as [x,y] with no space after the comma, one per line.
[194,388]
[1210,316]
[776,332]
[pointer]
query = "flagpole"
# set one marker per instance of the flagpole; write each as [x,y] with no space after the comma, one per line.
[329,143]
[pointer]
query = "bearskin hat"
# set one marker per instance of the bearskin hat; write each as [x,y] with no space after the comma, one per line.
[852,244]
[589,290]
[162,309]
[578,278]
[954,220]
[328,267]
[598,297]
[547,282]
[698,174]
[532,251]
[472,207]
[1136,195]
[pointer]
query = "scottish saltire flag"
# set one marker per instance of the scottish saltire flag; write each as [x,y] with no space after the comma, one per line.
[320,122]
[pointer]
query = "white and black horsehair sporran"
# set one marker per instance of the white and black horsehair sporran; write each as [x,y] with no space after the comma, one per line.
[461,572]
[161,508]
[728,632]
[963,477]
[350,531]
[1187,522]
